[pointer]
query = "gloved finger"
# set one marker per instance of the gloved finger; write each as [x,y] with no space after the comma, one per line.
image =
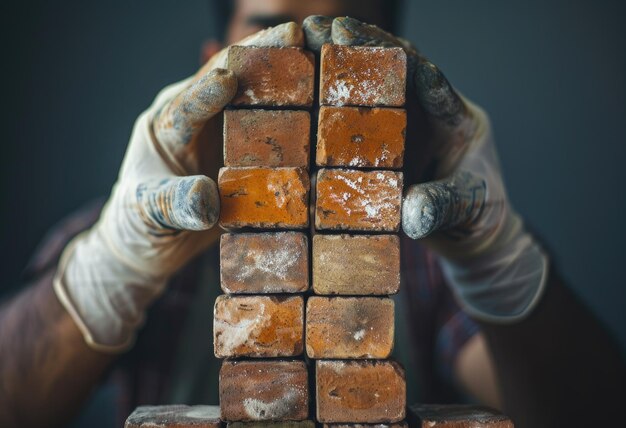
[445,108]
[352,32]
[288,34]
[182,118]
[317,31]
[445,204]
[442,104]
[179,203]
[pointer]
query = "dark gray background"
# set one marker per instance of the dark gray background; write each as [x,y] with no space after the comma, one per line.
[551,74]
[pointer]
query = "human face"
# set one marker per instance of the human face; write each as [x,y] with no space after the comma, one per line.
[251,16]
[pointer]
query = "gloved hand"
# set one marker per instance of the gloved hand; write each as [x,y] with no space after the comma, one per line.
[161,208]
[496,269]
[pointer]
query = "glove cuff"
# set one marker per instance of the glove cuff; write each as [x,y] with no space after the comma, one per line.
[106,299]
[504,285]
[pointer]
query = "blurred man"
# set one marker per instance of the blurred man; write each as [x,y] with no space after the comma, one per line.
[486,313]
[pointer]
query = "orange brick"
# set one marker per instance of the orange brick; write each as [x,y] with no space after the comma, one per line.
[349,327]
[285,424]
[264,197]
[258,326]
[174,416]
[358,200]
[361,137]
[259,263]
[267,138]
[272,76]
[264,390]
[456,416]
[356,264]
[360,391]
[362,76]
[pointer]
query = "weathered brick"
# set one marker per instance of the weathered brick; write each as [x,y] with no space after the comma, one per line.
[259,263]
[358,200]
[284,424]
[264,197]
[349,327]
[258,326]
[361,137]
[174,416]
[360,391]
[267,138]
[391,425]
[456,416]
[362,76]
[272,76]
[265,390]
[356,264]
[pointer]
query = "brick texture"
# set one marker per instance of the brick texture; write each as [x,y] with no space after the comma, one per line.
[361,137]
[174,416]
[349,327]
[456,416]
[362,76]
[252,263]
[285,424]
[258,326]
[267,390]
[356,264]
[358,200]
[264,197]
[392,425]
[360,391]
[267,138]
[272,76]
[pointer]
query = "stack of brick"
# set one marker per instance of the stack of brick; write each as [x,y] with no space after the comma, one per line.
[259,324]
[350,320]
[264,192]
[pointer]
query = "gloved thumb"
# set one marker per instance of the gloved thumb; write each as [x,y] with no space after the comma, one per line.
[179,203]
[444,204]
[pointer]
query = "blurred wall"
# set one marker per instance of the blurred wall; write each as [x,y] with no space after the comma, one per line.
[551,74]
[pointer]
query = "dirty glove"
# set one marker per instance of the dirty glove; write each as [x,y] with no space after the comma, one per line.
[495,267]
[161,208]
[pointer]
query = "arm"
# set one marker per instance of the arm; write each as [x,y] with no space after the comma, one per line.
[47,370]
[559,366]
[560,362]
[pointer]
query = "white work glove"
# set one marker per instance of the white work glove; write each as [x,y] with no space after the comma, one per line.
[161,207]
[496,269]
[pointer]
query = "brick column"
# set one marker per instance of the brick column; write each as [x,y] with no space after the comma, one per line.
[264,260]
[356,254]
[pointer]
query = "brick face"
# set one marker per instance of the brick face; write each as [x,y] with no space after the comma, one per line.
[360,391]
[269,76]
[456,416]
[264,197]
[264,262]
[358,200]
[361,137]
[264,390]
[362,76]
[393,425]
[267,138]
[285,424]
[174,416]
[356,264]
[258,326]
[349,327]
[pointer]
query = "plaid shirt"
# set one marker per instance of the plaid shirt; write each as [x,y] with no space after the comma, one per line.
[173,362]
